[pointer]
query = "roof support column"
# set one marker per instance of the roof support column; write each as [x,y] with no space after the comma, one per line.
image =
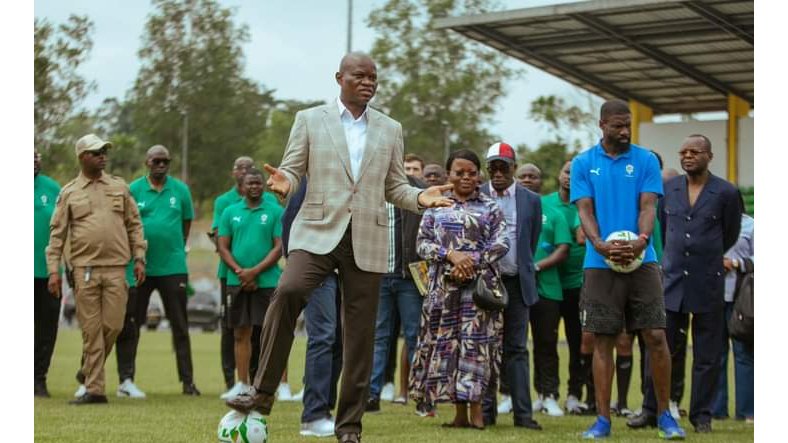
[737,108]
[640,114]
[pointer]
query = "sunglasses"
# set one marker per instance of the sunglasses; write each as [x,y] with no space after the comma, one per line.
[160,161]
[498,168]
[100,152]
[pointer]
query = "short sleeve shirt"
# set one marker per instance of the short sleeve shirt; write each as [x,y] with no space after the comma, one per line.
[554,232]
[45,192]
[571,270]
[163,213]
[252,232]
[615,185]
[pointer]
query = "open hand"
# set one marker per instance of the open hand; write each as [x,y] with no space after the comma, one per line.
[433,197]
[54,284]
[277,182]
[139,272]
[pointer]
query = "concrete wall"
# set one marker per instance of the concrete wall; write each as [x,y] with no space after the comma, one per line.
[666,139]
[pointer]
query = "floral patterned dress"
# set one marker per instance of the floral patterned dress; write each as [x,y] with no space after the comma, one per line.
[459,347]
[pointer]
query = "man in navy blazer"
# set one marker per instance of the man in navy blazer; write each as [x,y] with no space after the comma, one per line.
[523,211]
[702,220]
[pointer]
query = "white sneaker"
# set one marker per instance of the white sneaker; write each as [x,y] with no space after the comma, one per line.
[387,393]
[573,405]
[283,392]
[323,427]
[299,396]
[129,389]
[81,390]
[505,406]
[537,406]
[674,410]
[239,388]
[551,407]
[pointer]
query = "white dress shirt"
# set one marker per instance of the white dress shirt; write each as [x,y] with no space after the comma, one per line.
[355,135]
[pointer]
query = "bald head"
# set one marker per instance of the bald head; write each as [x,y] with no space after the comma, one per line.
[352,58]
[158,151]
[530,176]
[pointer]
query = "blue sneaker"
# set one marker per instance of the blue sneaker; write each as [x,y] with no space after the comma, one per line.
[669,428]
[600,429]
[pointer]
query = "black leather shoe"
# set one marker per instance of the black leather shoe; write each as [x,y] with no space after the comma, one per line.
[190,389]
[373,405]
[245,403]
[350,437]
[528,423]
[703,428]
[40,390]
[88,399]
[642,420]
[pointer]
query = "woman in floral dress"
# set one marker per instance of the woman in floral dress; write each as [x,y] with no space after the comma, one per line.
[459,347]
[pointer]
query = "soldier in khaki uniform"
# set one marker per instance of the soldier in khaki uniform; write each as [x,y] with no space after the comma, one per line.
[96,218]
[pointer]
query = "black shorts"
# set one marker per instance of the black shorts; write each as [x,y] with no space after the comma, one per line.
[610,300]
[248,308]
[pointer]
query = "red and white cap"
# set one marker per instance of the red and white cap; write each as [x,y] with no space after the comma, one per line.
[501,151]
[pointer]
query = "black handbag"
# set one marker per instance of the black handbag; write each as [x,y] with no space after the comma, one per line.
[493,298]
[741,325]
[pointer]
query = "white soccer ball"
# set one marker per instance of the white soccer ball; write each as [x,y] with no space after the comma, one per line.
[235,427]
[634,264]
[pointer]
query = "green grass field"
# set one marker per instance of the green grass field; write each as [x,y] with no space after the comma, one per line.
[166,415]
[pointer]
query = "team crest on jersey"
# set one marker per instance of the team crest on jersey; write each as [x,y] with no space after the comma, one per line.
[172,202]
[544,219]
[263,219]
[630,169]
[44,200]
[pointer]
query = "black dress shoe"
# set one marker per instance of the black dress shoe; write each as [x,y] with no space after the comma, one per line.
[528,423]
[247,402]
[642,420]
[373,405]
[88,399]
[190,389]
[40,390]
[350,437]
[703,428]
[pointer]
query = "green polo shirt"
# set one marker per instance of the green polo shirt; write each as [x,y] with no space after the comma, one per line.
[221,203]
[163,213]
[555,231]
[45,192]
[571,270]
[252,232]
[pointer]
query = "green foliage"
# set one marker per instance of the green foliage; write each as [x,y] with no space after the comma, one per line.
[58,53]
[280,121]
[749,200]
[435,82]
[549,157]
[192,65]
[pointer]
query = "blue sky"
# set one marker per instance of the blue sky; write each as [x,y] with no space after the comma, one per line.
[295,48]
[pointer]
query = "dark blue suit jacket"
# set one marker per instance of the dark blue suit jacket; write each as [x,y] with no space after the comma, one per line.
[529,226]
[695,240]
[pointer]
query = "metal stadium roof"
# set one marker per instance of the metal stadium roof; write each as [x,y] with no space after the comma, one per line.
[674,56]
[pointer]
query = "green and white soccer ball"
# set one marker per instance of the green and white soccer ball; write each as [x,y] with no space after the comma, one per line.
[235,427]
[634,264]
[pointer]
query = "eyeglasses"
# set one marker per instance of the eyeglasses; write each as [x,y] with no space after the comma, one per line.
[100,152]
[160,161]
[503,168]
[692,152]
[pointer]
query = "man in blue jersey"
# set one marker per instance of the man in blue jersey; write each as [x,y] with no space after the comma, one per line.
[615,186]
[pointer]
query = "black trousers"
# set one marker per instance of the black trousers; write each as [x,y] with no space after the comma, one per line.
[707,336]
[46,311]
[172,289]
[545,316]
[570,312]
[678,362]
[227,347]
[514,366]
[126,343]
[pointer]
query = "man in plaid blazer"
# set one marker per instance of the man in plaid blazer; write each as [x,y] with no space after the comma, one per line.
[352,155]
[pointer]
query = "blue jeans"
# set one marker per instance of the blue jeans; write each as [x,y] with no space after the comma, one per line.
[323,351]
[401,294]
[744,374]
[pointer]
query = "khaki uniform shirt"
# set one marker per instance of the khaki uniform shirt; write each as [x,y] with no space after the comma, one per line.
[100,222]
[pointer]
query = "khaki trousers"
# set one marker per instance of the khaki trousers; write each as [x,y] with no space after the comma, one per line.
[100,297]
[360,292]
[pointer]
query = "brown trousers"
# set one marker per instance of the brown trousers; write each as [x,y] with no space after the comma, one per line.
[101,307]
[305,272]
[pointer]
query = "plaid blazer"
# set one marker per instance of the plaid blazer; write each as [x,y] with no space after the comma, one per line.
[317,148]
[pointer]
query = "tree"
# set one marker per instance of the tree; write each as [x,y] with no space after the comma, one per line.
[442,87]
[192,66]
[58,53]
[280,121]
